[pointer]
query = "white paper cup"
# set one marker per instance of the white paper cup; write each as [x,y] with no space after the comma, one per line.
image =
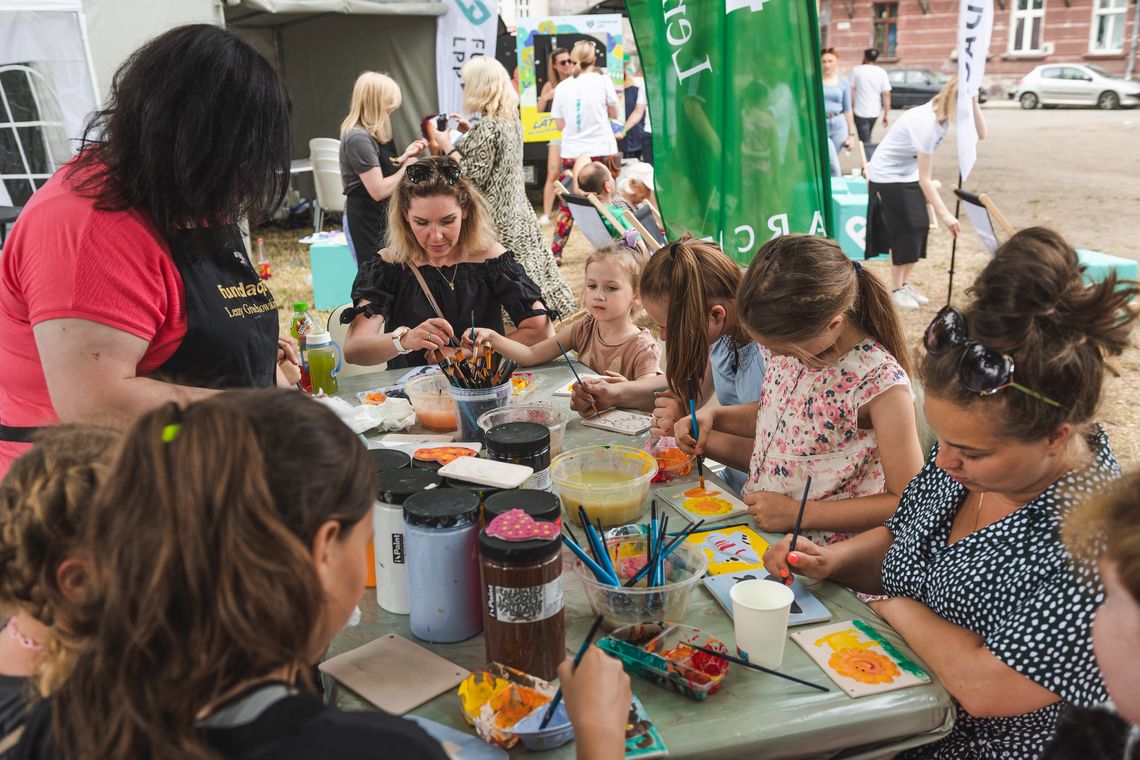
[760,612]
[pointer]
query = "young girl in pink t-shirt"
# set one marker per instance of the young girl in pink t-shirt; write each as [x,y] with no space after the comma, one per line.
[607,340]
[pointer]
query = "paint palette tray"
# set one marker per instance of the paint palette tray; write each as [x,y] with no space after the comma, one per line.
[498,698]
[661,653]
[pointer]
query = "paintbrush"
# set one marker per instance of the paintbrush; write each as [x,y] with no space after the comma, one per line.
[577,659]
[668,550]
[696,434]
[799,521]
[599,572]
[578,380]
[754,666]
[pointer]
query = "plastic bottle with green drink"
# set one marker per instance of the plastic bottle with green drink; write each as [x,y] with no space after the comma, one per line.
[302,324]
[324,359]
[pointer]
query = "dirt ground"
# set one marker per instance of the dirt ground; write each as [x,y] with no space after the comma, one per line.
[1076,170]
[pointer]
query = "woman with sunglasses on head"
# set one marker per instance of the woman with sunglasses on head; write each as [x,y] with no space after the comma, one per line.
[491,157]
[979,582]
[220,572]
[441,252]
[369,165]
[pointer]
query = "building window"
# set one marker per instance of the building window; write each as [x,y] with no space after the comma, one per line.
[1107,33]
[32,135]
[1026,27]
[887,29]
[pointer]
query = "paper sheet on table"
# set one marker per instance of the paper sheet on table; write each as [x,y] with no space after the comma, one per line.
[393,414]
[394,674]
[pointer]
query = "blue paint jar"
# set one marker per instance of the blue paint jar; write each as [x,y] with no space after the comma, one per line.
[441,529]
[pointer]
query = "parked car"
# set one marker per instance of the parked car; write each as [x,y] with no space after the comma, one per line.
[913,87]
[1075,84]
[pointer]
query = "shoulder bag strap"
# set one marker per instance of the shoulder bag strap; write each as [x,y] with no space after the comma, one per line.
[423,286]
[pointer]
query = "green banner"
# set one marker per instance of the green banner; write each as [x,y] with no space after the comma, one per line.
[739,137]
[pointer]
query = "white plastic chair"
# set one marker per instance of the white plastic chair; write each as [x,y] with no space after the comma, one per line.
[338,331]
[324,152]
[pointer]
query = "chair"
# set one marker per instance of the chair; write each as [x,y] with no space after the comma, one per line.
[650,219]
[589,213]
[338,331]
[324,153]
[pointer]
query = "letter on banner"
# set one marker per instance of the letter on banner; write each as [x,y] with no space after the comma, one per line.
[975,25]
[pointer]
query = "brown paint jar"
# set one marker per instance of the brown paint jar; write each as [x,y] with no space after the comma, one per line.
[523,615]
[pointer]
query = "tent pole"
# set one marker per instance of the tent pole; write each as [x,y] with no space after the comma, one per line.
[954,244]
[82,18]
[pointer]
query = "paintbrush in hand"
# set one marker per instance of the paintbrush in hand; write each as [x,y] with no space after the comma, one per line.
[577,379]
[577,659]
[697,436]
[799,521]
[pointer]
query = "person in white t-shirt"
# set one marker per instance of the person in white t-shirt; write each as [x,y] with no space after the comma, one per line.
[901,184]
[871,91]
[583,107]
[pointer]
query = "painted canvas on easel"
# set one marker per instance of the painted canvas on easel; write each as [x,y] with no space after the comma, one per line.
[859,659]
[730,548]
[710,503]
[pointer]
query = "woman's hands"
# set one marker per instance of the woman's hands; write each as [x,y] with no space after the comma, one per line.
[950,223]
[813,561]
[597,696]
[667,409]
[413,150]
[482,335]
[429,335]
[289,360]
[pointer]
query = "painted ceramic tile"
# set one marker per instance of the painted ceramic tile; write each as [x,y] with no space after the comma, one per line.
[711,503]
[567,390]
[859,659]
[617,421]
[805,608]
[642,740]
[731,548]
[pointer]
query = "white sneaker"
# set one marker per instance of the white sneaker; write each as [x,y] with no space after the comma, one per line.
[916,294]
[903,300]
[544,220]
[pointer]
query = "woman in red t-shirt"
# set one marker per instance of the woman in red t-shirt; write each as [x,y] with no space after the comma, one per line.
[125,283]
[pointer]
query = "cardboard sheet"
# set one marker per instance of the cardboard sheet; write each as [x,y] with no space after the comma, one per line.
[394,674]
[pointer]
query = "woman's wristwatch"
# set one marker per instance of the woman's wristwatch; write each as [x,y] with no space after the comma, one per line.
[398,333]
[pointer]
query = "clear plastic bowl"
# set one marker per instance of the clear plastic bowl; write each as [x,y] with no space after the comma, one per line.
[432,402]
[611,482]
[542,414]
[633,606]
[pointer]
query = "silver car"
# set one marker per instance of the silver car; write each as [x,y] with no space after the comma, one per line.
[1075,84]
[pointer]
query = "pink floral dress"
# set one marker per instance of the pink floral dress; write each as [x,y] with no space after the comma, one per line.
[808,424]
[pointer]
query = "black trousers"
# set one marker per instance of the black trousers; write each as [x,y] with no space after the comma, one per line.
[863,126]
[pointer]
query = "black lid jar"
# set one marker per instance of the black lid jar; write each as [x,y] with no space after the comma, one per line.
[541,505]
[388,459]
[523,604]
[395,486]
[525,443]
[442,508]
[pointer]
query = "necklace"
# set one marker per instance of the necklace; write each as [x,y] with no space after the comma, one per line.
[451,282]
[978,515]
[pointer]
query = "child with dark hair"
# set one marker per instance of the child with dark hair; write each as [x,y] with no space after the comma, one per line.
[979,582]
[836,404]
[44,503]
[220,570]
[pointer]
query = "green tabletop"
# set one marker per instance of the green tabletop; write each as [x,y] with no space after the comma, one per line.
[753,715]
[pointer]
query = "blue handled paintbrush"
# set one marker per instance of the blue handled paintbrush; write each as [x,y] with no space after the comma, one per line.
[577,659]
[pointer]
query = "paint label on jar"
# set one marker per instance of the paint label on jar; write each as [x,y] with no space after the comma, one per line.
[525,605]
[398,548]
[540,481]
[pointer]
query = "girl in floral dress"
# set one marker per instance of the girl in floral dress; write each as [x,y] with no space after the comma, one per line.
[836,404]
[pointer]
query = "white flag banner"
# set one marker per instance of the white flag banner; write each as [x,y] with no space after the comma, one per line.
[975,25]
[468,29]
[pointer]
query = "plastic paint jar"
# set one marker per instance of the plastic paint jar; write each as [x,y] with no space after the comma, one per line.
[443,568]
[541,505]
[483,492]
[525,443]
[388,534]
[523,616]
[388,459]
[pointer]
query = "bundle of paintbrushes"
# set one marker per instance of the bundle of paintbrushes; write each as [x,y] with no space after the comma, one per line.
[597,558]
[477,369]
[658,550]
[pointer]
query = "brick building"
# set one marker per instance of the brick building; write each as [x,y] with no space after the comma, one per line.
[1027,33]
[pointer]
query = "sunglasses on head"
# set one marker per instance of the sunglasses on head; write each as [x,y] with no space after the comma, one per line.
[422,171]
[980,370]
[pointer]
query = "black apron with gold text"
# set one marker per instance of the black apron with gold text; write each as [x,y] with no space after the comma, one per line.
[231,317]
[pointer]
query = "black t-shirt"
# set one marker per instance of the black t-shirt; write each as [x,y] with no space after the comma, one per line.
[367,219]
[297,726]
[14,694]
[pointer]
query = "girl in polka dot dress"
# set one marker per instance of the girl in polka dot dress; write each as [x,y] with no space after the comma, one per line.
[978,580]
[836,404]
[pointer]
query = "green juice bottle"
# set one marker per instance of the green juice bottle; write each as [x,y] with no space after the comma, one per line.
[324,358]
